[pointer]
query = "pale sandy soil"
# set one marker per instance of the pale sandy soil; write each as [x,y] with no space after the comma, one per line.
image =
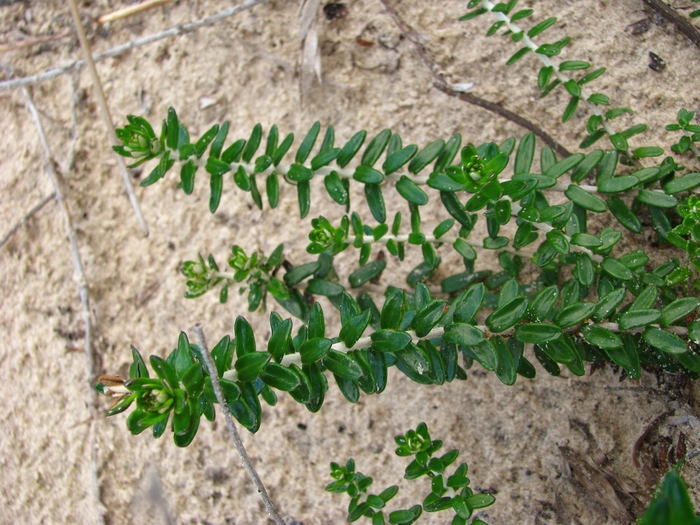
[510,436]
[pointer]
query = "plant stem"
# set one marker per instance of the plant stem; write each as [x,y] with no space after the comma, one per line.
[106,117]
[438,331]
[563,78]
[231,425]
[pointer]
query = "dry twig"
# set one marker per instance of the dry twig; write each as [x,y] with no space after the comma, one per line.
[179,29]
[58,185]
[427,56]
[32,41]
[35,209]
[132,10]
[104,109]
[680,23]
[211,367]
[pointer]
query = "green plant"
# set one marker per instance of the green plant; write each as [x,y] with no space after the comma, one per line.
[671,504]
[589,301]
[444,493]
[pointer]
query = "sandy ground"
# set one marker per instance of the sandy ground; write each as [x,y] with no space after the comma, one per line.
[248,64]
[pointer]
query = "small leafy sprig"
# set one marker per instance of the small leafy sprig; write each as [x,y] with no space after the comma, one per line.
[447,492]
[255,274]
[691,132]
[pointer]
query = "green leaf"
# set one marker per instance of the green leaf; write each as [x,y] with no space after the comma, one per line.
[658,199]
[584,199]
[574,314]
[314,349]
[352,330]
[677,309]
[426,156]
[282,149]
[341,365]
[366,273]
[508,315]
[647,151]
[624,215]
[336,188]
[367,175]
[525,154]
[389,340]
[601,337]
[428,317]
[308,143]
[463,334]
[541,27]
[253,143]
[561,167]
[479,501]
[280,377]
[324,158]
[558,241]
[410,191]
[607,305]
[518,55]
[684,183]
[323,287]
[279,340]
[397,159]
[465,249]
[616,269]
[299,273]
[544,302]
[636,318]
[249,366]
[537,333]
[455,209]
[351,148]
[300,173]
[618,184]
[375,200]
[375,148]
[664,341]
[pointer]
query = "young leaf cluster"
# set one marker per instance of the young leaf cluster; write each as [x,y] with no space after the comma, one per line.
[447,492]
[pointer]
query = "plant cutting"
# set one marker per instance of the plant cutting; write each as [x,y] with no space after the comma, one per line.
[567,293]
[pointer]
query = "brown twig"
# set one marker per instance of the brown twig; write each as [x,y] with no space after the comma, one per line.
[104,109]
[35,209]
[32,41]
[179,29]
[427,57]
[213,374]
[680,23]
[132,10]
[58,185]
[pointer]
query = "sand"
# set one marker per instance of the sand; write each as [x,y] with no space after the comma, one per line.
[248,65]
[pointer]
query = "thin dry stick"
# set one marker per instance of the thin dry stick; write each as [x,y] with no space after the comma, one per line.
[677,20]
[211,367]
[427,56]
[58,184]
[104,109]
[26,217]
[132,10]
[179,29]
[32,41]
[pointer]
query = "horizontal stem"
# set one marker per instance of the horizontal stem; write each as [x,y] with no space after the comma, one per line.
[438,331]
